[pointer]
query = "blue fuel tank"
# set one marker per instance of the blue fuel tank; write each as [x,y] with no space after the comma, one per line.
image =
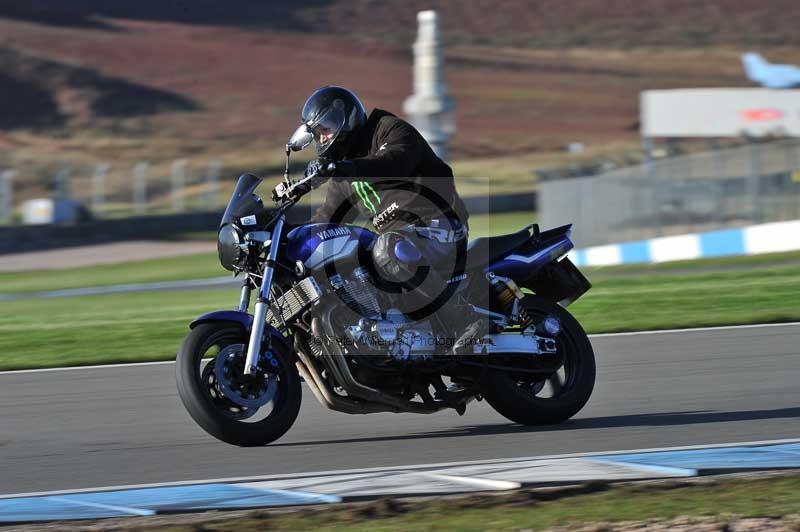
[316,245]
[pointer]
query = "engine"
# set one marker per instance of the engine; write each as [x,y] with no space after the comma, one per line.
[388,334]
[357,292]
[394,336]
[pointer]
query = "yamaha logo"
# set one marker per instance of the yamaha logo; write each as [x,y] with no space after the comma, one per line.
[331,233]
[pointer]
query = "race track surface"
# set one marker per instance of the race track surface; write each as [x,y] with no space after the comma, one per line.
[125,425]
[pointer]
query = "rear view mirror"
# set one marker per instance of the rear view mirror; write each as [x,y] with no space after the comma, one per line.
[300,138]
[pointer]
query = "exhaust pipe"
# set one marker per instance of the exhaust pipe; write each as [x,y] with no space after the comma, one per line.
[341,371]
[307,367]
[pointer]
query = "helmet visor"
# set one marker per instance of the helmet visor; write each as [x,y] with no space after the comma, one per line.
[327,126]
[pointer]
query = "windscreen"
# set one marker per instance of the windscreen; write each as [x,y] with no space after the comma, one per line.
[243,202]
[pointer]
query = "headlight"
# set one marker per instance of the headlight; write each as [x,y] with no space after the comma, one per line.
[232,248]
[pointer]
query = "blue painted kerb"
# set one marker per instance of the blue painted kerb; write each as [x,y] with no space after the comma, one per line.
[719,243]
[150,501]
[764,457]
[635,252]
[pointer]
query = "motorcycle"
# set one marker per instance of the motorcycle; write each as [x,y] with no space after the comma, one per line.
[322,316]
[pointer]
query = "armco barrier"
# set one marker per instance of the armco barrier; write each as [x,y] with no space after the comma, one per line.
[752,240]
[16,239]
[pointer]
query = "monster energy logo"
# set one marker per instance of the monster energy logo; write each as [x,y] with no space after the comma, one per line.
[364,189]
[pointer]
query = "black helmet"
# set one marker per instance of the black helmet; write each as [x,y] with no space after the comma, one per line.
[333,115]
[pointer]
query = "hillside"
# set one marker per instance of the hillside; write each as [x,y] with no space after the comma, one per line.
[49,94]
[206,82]
[532,23]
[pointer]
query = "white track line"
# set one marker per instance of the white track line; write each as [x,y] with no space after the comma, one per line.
[649,468]
[474,482]
[696,329]
[410,468]
[123,509]
[76,368]
[120,289]
[601,335]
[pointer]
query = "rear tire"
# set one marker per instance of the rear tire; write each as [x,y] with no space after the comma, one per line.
[514,396]
[206,410]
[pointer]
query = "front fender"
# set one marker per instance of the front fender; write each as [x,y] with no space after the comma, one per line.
[242,319]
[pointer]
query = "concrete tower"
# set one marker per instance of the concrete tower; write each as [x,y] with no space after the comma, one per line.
[430,109]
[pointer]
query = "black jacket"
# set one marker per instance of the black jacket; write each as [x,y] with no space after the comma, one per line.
[399,179]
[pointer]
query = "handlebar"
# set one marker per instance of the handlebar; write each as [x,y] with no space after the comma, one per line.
[294,190]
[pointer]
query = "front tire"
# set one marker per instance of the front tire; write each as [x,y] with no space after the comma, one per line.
[216,414]
[518,397]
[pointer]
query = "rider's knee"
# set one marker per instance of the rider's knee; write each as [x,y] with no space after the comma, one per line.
[396,257]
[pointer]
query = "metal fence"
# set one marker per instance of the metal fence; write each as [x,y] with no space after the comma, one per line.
[106,191]
[700,192]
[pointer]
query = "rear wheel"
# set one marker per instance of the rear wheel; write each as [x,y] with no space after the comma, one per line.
[244,411]
[534,399]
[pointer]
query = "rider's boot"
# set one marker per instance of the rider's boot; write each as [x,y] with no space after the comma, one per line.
[474,331]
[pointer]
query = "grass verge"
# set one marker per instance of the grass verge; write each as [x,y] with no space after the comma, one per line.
[768,502]
[664,300]
[199,266]
[150,325]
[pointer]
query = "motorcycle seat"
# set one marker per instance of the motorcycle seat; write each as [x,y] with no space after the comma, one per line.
[482,251]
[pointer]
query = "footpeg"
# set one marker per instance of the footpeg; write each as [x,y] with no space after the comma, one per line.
[453,395]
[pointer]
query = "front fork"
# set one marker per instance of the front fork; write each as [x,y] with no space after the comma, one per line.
[262,303]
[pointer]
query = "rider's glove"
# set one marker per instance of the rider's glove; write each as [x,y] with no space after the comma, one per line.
[316,174]
[315,168]
[338,170]
[294,191]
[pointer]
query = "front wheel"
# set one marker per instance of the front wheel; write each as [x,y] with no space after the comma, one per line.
[244,411]
[531,399]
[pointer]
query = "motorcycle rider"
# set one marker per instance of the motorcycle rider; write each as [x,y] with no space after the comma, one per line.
[385,170]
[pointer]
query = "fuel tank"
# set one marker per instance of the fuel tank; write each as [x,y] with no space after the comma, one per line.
[316,245]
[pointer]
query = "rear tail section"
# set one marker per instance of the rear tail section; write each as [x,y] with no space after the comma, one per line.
[534,253]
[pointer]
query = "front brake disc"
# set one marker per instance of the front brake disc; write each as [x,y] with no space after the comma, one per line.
[251,392]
